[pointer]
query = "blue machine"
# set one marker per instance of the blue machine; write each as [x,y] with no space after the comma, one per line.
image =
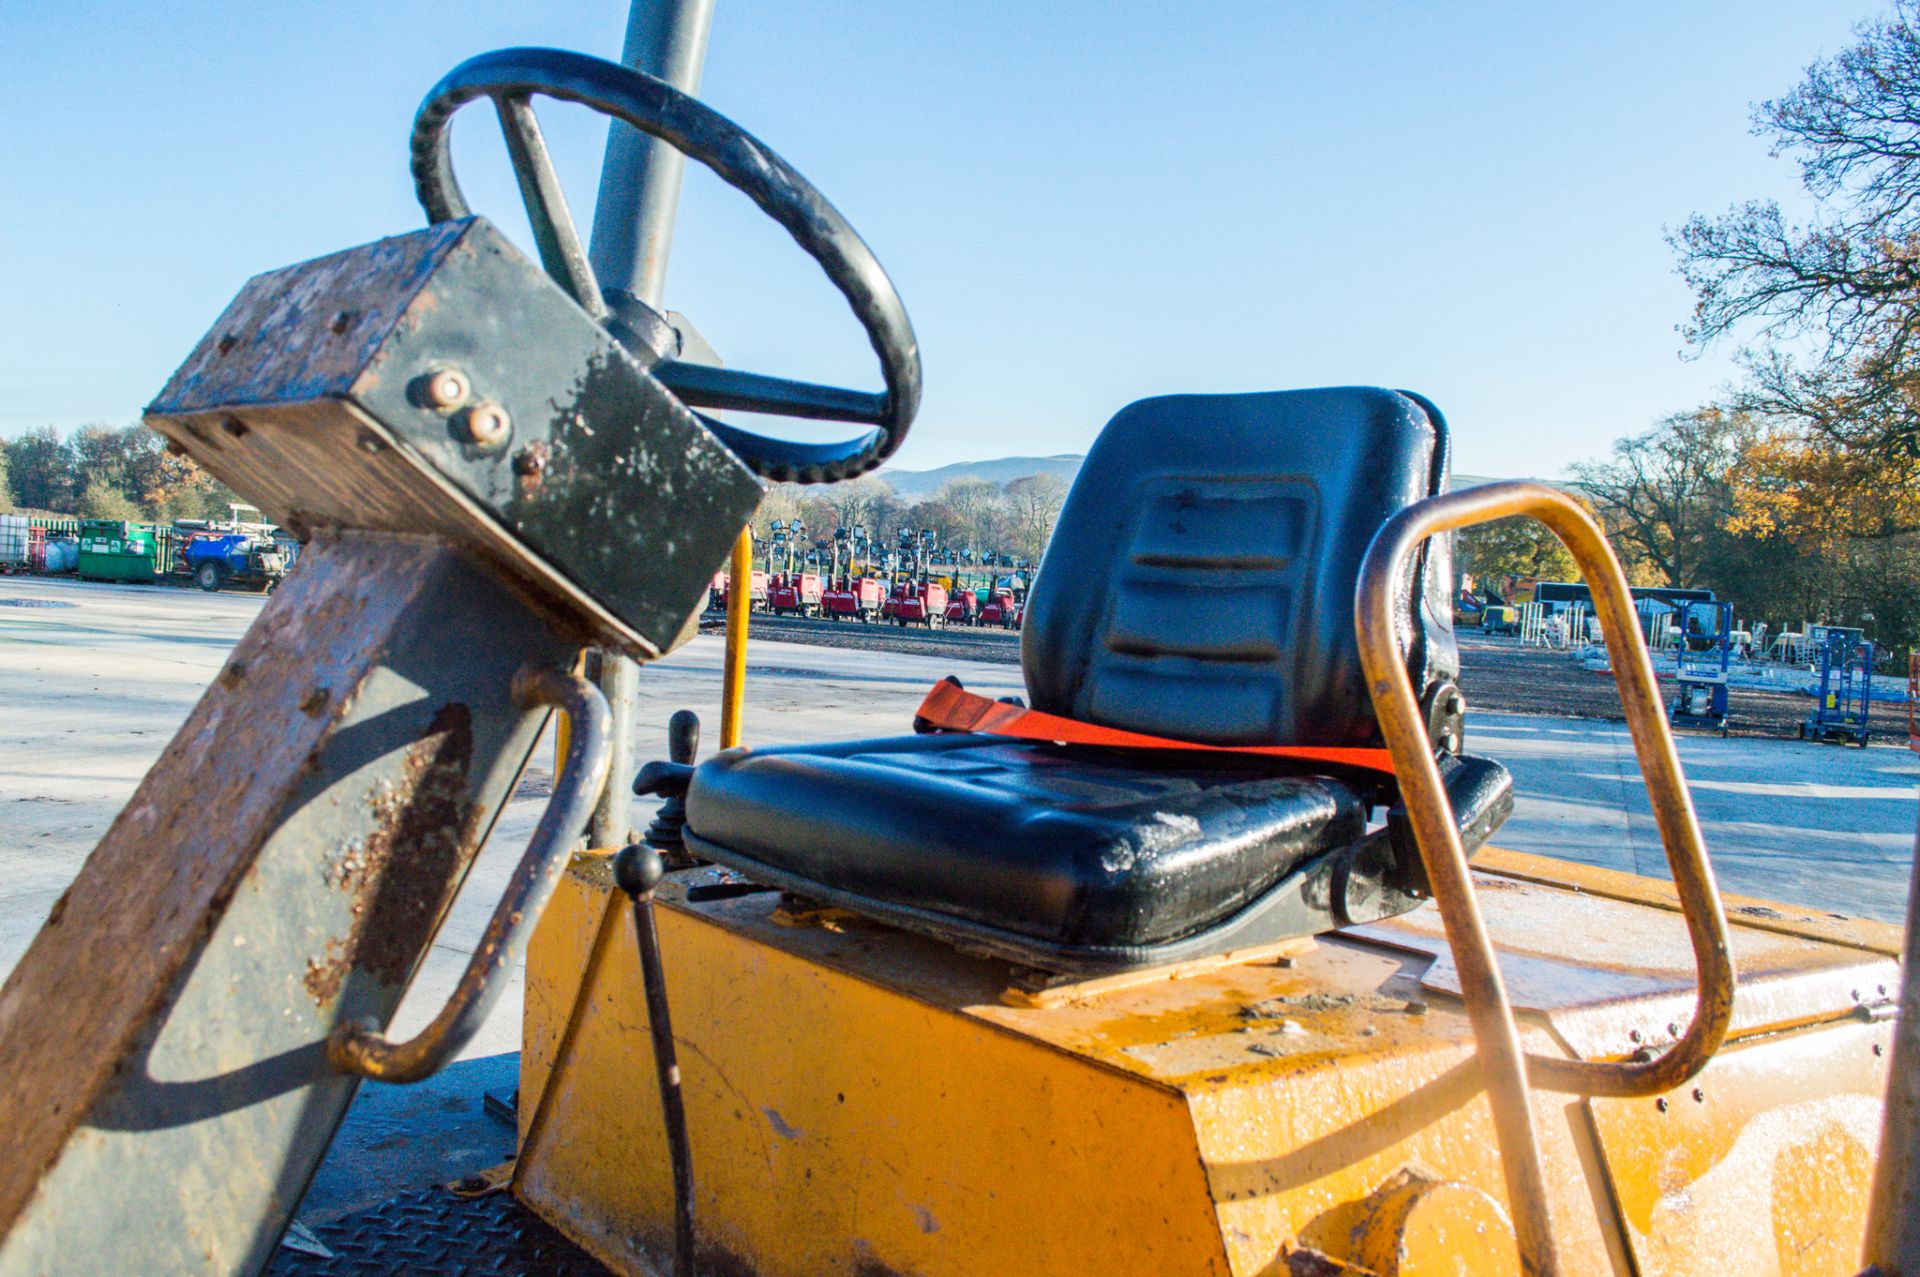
[1845,696]
[1706,649]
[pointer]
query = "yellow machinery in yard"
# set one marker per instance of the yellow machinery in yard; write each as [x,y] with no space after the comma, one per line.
[1180,969]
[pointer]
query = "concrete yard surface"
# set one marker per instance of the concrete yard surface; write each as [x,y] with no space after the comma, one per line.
[95,679]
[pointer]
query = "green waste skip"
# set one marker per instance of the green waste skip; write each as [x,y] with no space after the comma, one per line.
[113,550]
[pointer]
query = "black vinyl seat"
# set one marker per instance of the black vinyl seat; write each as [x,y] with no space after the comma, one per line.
[1199,585]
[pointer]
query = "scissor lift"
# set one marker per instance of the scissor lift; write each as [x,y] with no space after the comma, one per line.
[1703,658]
[1843,701]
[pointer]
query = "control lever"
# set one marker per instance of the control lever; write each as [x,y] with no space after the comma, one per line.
[637,870]
[669,779]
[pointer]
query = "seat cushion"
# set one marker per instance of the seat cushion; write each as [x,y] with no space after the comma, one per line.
[1071,847]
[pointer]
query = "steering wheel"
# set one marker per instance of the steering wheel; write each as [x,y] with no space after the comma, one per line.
[510,77]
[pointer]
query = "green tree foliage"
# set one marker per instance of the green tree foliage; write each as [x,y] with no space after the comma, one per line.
[6,485]
[44,471]
[1492,552]
[99,467]
[101,500]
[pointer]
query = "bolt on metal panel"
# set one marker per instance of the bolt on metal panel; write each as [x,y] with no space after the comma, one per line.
[440,382]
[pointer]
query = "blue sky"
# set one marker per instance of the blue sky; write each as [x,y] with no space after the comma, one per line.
[1082,203]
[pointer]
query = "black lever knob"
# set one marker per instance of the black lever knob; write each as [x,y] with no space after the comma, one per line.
[637,870]
[669,779]
[683,736]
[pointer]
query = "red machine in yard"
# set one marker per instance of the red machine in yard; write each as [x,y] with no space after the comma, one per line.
[756,587]
[963,608]
[756,591]
[917,599]
[791,590]
[849,596]
[920,602]
[1002,609]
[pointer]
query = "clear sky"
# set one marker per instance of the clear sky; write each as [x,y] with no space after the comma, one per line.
[1082,203]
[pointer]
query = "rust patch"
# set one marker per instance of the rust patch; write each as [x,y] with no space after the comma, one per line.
[401,876]
[325,975]
[530,466]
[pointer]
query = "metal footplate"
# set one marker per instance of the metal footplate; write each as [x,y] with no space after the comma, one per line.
[434,1232]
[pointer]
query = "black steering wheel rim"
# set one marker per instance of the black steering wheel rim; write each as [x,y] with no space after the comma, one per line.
[510,77]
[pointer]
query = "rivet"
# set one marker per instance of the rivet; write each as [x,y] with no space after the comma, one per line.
[1699,1096]
[488,424]
[370,442]
[1661,1104]
[1633,1035]
[1878,1049]
[1673,1030]
[446,389]
[528,462]
[341,321]
[235,427]
[227,342]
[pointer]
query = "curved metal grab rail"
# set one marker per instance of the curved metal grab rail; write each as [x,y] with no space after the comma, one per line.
[1507,1069]
[361,1048]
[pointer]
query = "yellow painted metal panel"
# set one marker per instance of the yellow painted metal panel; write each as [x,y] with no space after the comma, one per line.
[839,1127]
[1742,911]
[1761,1165]
[867,1101]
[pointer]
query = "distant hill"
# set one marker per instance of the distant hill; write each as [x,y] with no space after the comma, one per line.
[916,485]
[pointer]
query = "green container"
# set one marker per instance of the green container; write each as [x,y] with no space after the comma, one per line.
[113,550]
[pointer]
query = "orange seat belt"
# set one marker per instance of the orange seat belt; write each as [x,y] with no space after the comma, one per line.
[951,707]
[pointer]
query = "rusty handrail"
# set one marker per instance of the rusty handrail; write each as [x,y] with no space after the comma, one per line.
[1383,581]
[359,1047]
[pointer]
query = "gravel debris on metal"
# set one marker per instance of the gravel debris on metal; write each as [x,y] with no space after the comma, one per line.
[434,1233]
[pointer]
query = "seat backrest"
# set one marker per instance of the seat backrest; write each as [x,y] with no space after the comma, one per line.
[1200,581]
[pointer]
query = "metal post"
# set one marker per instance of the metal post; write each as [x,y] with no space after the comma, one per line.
[640,179]
[1893,1211]
[733,686]
[632,233]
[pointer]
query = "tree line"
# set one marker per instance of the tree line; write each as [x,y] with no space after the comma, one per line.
[103,472]
[1797,493]
[100,472]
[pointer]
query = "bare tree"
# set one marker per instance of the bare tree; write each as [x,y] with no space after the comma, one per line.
[1850,277]
[859,502]
[977,508]
[1035,503]
[1666,492]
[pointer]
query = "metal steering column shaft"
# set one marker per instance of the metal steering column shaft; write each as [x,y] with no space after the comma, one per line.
[633,219]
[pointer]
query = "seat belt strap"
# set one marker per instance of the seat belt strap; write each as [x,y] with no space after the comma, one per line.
[952,708]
